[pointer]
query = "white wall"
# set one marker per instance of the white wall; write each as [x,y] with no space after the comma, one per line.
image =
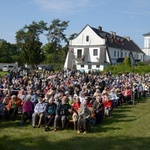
[91,57]
[101,67]
[94,39]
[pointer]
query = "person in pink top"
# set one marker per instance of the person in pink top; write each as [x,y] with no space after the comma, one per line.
[27,110]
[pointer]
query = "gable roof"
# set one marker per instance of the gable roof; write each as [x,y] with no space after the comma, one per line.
[146,34]
[113,40]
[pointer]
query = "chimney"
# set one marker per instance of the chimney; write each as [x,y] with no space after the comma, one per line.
[99,28]
[127,37]
[111,32]
[114,33]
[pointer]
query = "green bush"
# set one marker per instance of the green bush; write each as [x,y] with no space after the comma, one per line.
[124,68]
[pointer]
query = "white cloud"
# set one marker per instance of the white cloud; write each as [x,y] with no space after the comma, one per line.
[63,6]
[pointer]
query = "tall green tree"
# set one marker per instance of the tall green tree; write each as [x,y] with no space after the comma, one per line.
[7,51]
[28,41]
[56,36]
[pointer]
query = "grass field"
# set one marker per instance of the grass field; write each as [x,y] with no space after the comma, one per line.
[129,129]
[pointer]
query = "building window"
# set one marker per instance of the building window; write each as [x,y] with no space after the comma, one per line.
[114,53]
[87,38]
[122,54]
[118,54]
[125,54]
[135,56]
[82,66]
[89,66]
[97,66]
[95,52]
[79,53]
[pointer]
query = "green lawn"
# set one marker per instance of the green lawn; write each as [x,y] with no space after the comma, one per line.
[129,129]
[3,73]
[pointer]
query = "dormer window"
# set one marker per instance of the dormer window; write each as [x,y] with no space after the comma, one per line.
[87,38]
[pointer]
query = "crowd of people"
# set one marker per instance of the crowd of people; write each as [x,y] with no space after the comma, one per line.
[54,98]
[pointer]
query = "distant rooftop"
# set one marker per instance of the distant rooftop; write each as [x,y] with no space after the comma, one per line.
[147,34]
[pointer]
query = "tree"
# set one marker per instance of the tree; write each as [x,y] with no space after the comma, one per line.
[56,31]
[127,62]
[29,43]
[72,36]
[7,52]
[56,36]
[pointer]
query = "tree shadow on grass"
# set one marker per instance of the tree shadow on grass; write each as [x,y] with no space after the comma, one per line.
[77,142]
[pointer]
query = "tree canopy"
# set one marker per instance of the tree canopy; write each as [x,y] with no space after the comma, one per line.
[30,47]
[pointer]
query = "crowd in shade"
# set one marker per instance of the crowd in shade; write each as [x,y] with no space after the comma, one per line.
[51,99]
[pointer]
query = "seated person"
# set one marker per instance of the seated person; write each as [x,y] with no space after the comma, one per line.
[12,107]
[1,108]
[83,113]
[49,113]
[126,92]
[107,104]
[6,99]
[62,112]
[38,114]
[98,108]
[87,100]
[27,110]
[76,103]
[113,97]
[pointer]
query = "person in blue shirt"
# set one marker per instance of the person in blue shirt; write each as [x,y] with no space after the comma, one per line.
[38,114]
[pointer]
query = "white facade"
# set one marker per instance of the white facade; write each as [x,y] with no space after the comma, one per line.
[81,39]
[146,48]
[94,49]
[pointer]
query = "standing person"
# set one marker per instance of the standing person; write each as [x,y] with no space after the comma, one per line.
[49,113]
[62,112]
[38,114]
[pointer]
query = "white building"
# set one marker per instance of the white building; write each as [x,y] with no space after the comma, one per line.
[94,49]
[146,48]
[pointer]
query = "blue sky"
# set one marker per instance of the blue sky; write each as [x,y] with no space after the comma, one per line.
[125,17]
